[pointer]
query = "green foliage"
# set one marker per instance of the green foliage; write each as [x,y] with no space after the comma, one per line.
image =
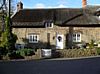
[20,54]
[91,44]
[98,51]
[25,52]
[8,38]
[15,55]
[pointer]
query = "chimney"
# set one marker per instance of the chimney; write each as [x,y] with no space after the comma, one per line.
[19,6]
[84,3]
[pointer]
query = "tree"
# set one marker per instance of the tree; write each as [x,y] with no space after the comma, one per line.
[4,8]
[5,3]
[1,2]
[8,38]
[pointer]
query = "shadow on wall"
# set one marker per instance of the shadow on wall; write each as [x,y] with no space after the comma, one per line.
[66,42]
[39,45]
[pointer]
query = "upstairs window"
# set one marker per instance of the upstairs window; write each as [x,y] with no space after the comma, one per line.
[76,37]
[99,16]
[33,38]
[49,24]
[97,13]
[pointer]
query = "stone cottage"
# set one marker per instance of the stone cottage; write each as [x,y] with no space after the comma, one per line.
[56,28]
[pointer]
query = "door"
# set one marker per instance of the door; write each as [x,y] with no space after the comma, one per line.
[59,41]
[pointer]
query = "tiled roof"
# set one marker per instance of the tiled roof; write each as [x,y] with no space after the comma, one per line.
[33,15]
[28,24]
[92,8]
[60,16]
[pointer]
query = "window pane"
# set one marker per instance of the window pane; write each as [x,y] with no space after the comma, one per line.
[33,38]
[78,35]
[36,37]
[74,39]
[48,24]
[78,38]
[30,38]
[74,35]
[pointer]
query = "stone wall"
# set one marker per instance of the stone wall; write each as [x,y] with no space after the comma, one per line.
[22,33]
[87,34]
[90,33]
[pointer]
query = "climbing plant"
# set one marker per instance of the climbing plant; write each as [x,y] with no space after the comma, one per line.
[8,38]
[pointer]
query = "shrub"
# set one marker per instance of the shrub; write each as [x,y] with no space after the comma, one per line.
[15,55]
[8,39]
[91,44]
[1,50]
[25,52]
[69,53]
[98,51]
[19,54]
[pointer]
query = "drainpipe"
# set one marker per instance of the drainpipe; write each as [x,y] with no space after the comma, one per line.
[70,37]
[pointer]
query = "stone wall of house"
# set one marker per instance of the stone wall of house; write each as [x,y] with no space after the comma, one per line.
[87,34]
[22,33]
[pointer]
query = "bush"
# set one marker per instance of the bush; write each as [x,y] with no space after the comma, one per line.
[0,57]
[25,52]
[18,54]
[15,55]
[91,44]
[71,53]
[1,50]
[98,51]
[8,39]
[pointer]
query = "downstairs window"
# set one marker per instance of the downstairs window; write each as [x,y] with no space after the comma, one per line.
[33,38]
[77,37]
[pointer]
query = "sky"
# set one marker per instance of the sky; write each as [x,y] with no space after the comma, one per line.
[56,3]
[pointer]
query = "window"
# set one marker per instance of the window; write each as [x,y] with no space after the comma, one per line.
[33,38]
[97,13]
[99,16]
[76,37]
[49,24]
[19,46]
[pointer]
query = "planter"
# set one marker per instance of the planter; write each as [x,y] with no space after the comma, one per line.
[46,53]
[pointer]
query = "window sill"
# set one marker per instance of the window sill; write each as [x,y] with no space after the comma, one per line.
[33,42]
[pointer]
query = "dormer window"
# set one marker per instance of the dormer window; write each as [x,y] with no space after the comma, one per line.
[97,13]
[49,24]
[99,16]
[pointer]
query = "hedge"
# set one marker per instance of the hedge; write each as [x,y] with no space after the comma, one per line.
[71,53]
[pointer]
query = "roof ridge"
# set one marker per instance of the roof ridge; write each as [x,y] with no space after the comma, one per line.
[49,8]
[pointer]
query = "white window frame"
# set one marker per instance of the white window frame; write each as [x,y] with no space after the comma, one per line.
[35,37]
[49,24]
[75,37]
